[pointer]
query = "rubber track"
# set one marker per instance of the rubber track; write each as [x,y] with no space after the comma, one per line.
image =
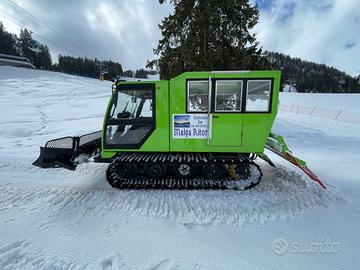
[171,182]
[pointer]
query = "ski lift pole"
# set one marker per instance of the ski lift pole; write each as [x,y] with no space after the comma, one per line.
[101,75]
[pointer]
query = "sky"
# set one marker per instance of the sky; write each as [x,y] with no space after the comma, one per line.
[126,31]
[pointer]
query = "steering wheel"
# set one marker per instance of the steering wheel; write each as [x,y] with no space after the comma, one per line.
[124,114]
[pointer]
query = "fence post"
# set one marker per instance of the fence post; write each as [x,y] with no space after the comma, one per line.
[292,108]
[297,109]
[312,110]
[337,115]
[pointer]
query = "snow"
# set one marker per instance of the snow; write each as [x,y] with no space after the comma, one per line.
[60,219]
[289,88]
[347,102]
[155,77]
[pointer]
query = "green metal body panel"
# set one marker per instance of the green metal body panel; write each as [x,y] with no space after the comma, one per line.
[233,132]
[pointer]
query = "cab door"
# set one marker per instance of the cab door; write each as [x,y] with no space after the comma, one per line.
[227,119]
[258,114]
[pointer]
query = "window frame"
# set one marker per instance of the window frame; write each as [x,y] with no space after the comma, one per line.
[214,103]
[137,121]
[187,101]
[244,95]
[270,94]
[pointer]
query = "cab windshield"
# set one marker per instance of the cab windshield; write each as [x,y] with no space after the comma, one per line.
[131,104]
[131,117]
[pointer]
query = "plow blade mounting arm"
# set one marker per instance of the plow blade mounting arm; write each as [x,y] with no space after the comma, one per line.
[277,145]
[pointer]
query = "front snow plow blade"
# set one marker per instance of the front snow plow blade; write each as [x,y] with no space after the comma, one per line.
[276,144]
[68,152]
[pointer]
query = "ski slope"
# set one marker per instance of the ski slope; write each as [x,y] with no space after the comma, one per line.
[59,219]
[348,102]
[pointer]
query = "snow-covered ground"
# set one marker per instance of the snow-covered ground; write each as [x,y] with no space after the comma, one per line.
[58,219]
[348,102]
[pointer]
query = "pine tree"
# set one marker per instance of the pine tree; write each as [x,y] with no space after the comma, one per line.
[87,67]
[128,73]
[46,58]
[24,42]
[208,35]
[7,41]
[141,73]
[312,77]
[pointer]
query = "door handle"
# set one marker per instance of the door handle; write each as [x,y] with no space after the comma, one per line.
[215,116]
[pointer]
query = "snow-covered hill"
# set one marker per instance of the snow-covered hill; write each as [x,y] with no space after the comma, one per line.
[58,219]
[347,102]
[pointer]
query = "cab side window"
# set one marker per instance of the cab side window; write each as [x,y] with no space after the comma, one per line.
[197,96]
[258,96]
[228,95]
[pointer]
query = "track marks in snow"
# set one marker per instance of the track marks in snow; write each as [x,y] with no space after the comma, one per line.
[113,262]
[11,253]
[163,265]
[280,195]
[43,119]
[22,254]
[19,255]
[23,167]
